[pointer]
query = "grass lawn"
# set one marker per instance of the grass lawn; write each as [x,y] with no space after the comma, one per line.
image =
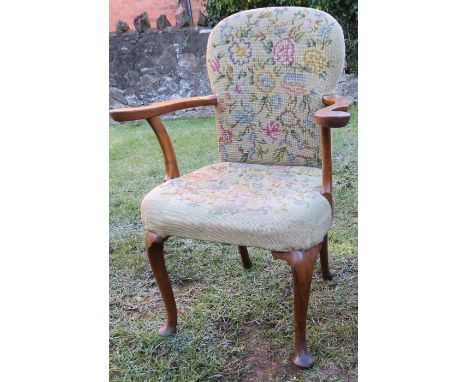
[234,324]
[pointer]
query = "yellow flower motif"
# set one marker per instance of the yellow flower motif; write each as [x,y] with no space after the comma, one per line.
[315,59]
[240,51]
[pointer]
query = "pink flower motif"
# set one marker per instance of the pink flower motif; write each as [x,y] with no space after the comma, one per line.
[272,129]
[240,194]
[215,64]
[226,137]
[200,176]
[284,52]
[238,88]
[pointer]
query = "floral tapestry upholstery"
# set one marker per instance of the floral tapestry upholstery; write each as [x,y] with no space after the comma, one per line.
[269,69]
[273,207]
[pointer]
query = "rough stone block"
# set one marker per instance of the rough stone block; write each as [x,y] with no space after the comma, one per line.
[122,27]
[348,86]
[162,22]
[202,19]
[166,61]
[132,77]
[142,23]
[117,95]
[188,61]
[182,18]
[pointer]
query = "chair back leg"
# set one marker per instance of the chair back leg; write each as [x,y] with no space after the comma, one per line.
[324,266]
[245,257]
[155,250]
[302,264]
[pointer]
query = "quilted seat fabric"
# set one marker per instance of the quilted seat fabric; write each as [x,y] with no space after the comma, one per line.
[278,208]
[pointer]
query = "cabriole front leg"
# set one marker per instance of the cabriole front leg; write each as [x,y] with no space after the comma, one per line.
[155,249]
[302,264]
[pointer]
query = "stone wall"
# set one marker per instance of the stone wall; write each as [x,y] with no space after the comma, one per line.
[160,65]
[156,66]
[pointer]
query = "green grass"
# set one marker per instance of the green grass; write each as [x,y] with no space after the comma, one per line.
[234,324]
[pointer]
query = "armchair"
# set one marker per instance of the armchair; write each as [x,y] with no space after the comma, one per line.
[270,70]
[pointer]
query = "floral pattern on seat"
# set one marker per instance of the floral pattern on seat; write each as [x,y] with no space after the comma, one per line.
[273,207]
[269,68]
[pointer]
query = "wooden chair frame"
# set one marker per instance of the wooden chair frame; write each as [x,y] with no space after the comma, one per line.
[302,262]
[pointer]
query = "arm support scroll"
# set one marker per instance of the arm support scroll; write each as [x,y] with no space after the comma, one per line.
[335,114]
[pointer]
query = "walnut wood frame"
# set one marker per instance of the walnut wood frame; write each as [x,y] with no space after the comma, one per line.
[302,262]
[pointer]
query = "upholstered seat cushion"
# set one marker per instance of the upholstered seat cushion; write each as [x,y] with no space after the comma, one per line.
[268,206]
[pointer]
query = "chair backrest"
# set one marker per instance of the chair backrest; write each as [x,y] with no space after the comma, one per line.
[269,68]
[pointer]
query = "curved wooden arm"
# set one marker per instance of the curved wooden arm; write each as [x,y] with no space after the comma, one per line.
[158,108]
[334,115]
[151,113]
[170,160]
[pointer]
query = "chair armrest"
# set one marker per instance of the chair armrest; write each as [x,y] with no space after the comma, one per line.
[158,108]
[336,113]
